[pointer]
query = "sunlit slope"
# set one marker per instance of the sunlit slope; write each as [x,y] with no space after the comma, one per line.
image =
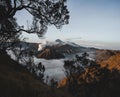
[108,58]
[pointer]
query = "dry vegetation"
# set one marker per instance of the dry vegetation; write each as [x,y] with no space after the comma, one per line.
[108,58]
[97,80]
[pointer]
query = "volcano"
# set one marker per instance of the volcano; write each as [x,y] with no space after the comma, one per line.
[49,53]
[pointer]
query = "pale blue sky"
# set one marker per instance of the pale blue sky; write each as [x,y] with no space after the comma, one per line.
[92,22]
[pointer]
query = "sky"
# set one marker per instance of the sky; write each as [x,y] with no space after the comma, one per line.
[92,23]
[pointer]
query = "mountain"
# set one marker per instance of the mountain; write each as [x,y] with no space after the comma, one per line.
[57,51]
[67,42]
[16,81]
[73,44]
[52,50]
[59,41]
[49,53]
[60,49]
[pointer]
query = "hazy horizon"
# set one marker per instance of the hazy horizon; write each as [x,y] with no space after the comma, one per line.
[92,23]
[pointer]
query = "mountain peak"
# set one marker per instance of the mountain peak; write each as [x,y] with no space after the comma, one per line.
[58,40]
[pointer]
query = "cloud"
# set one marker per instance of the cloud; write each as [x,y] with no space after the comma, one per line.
[72,39]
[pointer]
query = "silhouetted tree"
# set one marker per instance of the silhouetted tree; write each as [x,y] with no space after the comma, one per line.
[37,70]
[76,65]
[44,12]
[8,26]
[40,69]
[53,83]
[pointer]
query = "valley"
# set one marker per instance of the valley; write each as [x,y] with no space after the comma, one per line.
[53,54]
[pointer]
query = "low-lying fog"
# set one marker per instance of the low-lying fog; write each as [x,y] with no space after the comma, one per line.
[54,67]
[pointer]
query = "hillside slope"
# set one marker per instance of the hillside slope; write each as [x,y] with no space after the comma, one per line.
[16,81]
[108,58]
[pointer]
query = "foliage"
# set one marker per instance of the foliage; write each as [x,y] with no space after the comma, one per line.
[44,12]
[93,80]
[40,71]
[77,65]
[8,28]
[25,56]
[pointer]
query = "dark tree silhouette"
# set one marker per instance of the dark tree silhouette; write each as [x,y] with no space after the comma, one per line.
[76,65]
[7,27]
[41,69]
[44,12]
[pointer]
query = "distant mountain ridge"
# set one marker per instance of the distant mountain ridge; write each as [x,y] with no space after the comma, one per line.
[67,42]
[53,50]
[59,49]
[49,53]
